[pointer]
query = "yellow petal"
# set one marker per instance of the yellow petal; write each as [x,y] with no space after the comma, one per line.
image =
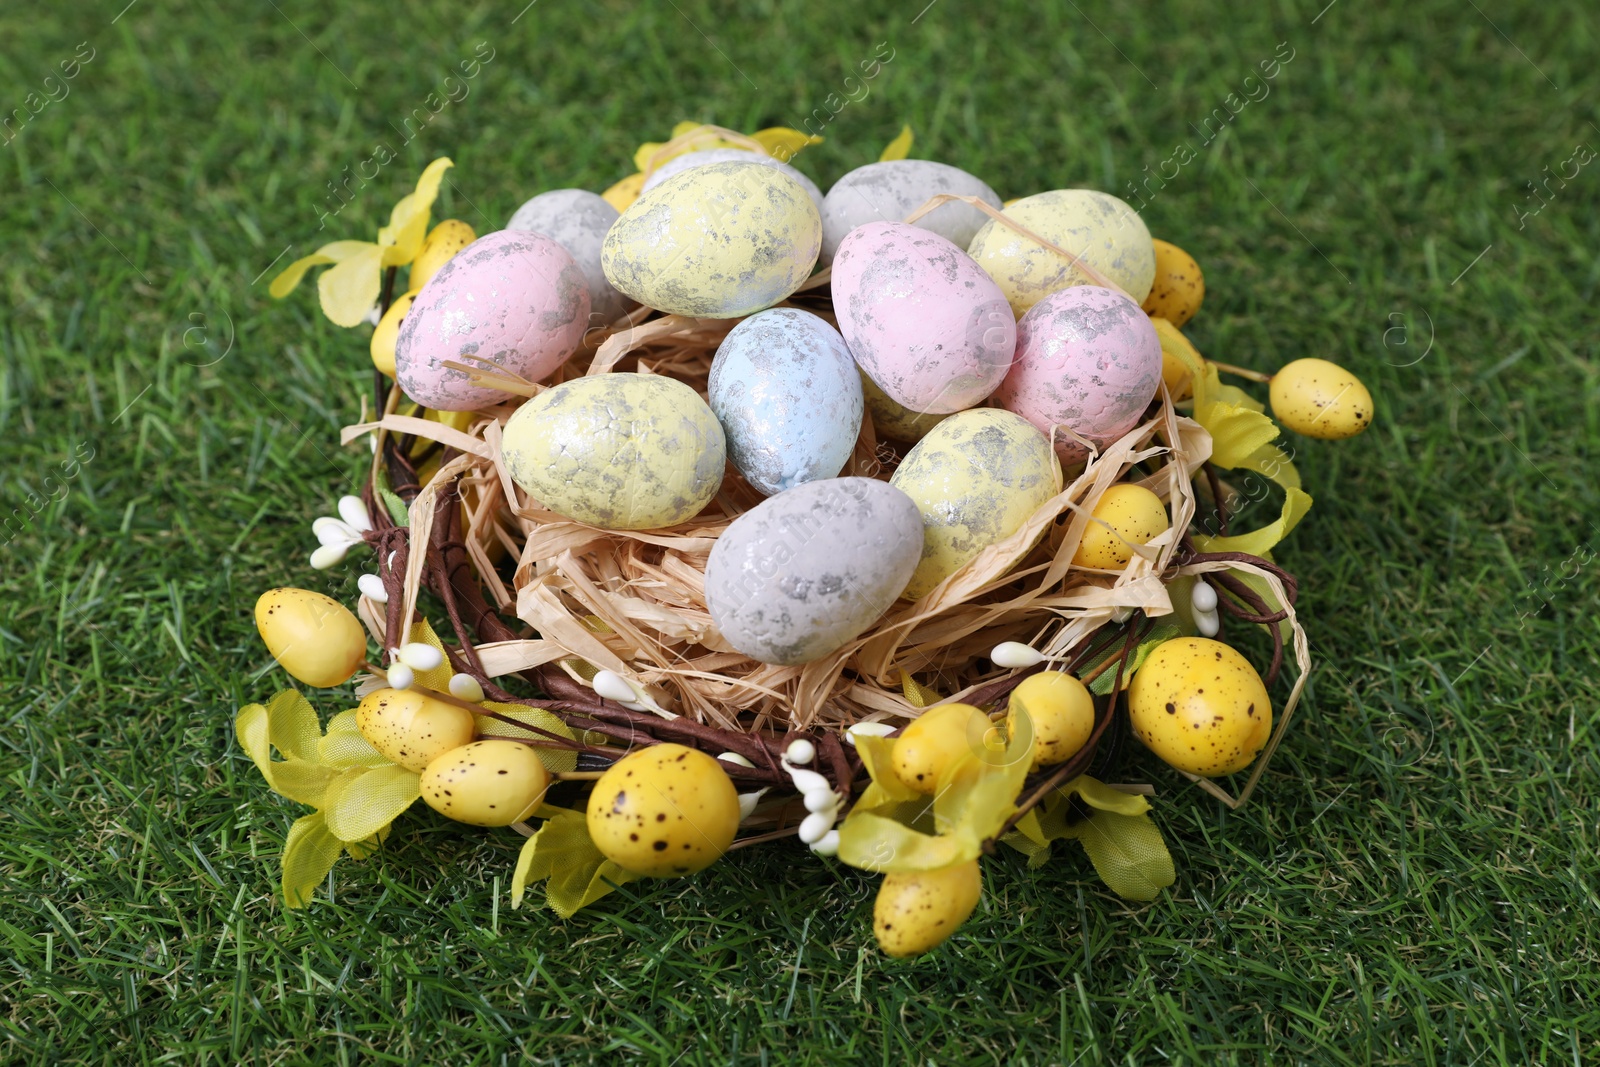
[309,853]
[333,252]
[1128,853]
[351,288]
[370,800]
[344,747]
[874,842]
[408,222]
[562,851]
[437,679]
[622,195]
[920,696]
[1237,433]
[900,147]
[784,144]
[554,759]
[1259,542]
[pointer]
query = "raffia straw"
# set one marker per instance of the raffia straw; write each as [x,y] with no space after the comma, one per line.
[670,149]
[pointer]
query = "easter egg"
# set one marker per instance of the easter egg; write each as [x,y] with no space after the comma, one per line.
[514,299]
[1061,710]
[1087,359]
[387,335]
[788,395]
[619,451]
[895,421]
[412,728]
[439,248]
[1098,228]
[1178,358]
[1126,515]
[1320,399]
[975,478]
[800,574]
[313,637]
[1178,287]
[923,320]
[663,811]
[719,241]
[1200,706]
[705,157]
[934,742]
[578,221]
[916,911]
[891,190]
[486,783]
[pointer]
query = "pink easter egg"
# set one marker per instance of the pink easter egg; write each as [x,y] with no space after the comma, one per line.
[1088,359]
[925,322]
[516,299]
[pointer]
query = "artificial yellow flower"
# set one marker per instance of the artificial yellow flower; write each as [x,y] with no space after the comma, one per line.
[350,290]
[779,142]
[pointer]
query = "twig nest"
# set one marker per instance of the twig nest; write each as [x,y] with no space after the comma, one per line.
[664,811]
[890,190]
[1200,706]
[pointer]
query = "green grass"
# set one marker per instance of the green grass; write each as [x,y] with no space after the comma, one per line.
[1416,882]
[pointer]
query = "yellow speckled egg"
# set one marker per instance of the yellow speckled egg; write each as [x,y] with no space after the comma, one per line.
[917,910]
[387,334]
[1134,515]
[313,637]
[486,783]
[717,241]
[438,248]
[1320,399]
[620,451]
[1175,349]
[664,811]
[1101,230]
[1200,706]
[411,728]
[1179,287]
[934,741]
[894,421]
[975,478]
[1062,711]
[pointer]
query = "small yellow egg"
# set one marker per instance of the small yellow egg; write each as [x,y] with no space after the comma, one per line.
[440,246]
[1179,287]
[412,728]
[1062,711]
[313,637]
[917,910]
[1200,706]
[388,332]
[486,783]
[622,195]
[1175,370]
[664,811]
[935,741]
[1320,399]
[1127,515]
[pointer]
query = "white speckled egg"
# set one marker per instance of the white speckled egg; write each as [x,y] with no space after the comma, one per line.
[802,573]
[1087,358]
[517,299]
[788,396]
[578,221]
[619,451]
[891,190]
[691,160]
[1101,230]
[975,478]
[923,320]
[719,241]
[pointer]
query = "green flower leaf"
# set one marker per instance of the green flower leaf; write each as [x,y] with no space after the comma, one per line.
[309,853]
[363,803]
[563,855]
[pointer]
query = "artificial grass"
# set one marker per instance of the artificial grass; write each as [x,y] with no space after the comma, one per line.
[1416,881]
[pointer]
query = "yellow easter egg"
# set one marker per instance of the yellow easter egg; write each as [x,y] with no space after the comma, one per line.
[620,451]
[486,783]
[1126,515]
[313,637]
[917,910]
[412,728]
[622,194]
[438,248]
[388,332]
[664,811]
[1177,357]
[894,421]
[1099,229]
[935,741]
[1062,711]
[719,241]
[1178,288]
[1320,399]
[1200,706]
[975,478]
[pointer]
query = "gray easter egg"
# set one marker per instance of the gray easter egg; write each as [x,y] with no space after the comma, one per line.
[578,221]
[893,189]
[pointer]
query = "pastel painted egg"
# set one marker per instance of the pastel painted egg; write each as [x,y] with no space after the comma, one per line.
[1088,359]
[691,160]
[515,299]
[923,320]
[800,574]
[1098,228]
[895,421]
[1320,399]
[975,478]
[619,451]
[486,783]
[1178,288]
[411,728]
[891,190]
[788,396]
[719,241]
[578,221]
